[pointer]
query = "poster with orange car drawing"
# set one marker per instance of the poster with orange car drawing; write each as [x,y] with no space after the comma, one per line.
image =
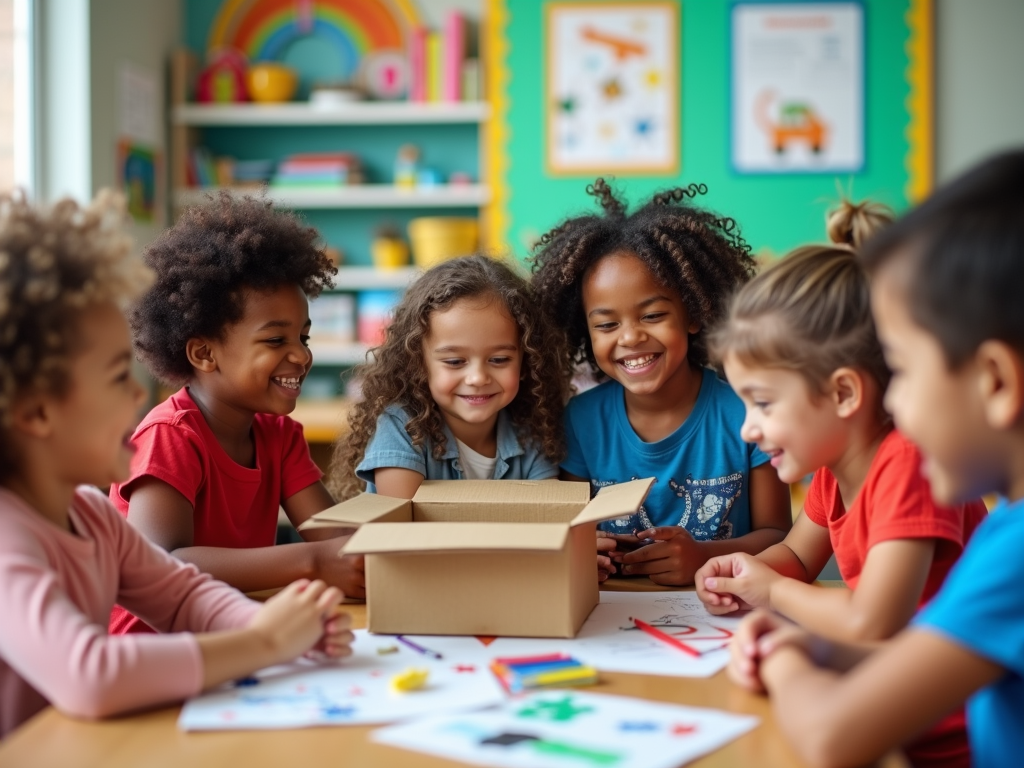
[797,87]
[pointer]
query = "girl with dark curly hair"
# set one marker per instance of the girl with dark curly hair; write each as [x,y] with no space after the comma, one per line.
[469,383]
[637,292]
[227,320]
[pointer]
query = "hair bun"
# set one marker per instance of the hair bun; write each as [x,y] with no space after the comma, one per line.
[851,224]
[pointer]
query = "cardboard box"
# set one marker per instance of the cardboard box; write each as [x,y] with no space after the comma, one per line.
[481,557]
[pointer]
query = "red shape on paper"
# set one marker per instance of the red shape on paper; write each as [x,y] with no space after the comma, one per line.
[465,668]
[356,691]
[376,673]
[683,730]
[485,639]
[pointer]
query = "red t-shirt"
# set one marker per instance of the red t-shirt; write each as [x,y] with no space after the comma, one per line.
[895,502]
[234,506]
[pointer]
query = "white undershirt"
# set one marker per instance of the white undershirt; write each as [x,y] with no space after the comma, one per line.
[475,466]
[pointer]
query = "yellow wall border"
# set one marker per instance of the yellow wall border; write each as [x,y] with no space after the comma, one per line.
[920,133]
[496,162]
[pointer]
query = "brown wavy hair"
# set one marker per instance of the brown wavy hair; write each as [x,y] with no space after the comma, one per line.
[698,254]
[55,263]
[397,374]
[811,311]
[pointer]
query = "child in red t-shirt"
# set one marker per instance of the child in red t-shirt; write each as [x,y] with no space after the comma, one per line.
[799,347]
[228,319]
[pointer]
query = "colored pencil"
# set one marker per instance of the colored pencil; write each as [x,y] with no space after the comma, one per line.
[418,648]
[665,638]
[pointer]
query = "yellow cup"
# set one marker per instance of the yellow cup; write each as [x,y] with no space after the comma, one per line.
[389,253]
[269,82]
[438,238]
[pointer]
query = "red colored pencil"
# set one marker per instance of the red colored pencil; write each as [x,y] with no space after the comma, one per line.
[665,638]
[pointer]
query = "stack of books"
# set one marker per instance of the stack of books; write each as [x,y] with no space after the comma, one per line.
[439,66]
[526,673]
[318,170]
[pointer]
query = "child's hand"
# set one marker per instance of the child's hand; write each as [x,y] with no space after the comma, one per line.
[744,649]
[294,620]
[672,558]
[606,547]
[735,582]
[338,638]
[346,572]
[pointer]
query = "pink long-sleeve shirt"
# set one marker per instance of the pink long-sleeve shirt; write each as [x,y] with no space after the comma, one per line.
[56,592]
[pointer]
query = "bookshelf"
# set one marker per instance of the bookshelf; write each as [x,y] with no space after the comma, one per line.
[356,113]
[381,196]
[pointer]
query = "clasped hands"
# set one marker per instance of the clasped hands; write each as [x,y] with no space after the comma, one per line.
[667,555]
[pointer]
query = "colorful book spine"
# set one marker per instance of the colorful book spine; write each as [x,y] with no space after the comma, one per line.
[454,54]
[435,65]
[418,65]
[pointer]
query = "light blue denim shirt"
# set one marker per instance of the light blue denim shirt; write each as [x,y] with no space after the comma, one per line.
[391,446]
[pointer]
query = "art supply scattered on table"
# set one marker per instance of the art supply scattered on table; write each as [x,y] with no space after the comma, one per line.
[384,650]
[418,648]
[412,679]
[524,673]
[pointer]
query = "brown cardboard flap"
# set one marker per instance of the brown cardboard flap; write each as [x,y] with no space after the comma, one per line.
[615,501]
[364,508]
[395,538]
[502,491]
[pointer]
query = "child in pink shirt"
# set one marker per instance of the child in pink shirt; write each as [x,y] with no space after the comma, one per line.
[68,402]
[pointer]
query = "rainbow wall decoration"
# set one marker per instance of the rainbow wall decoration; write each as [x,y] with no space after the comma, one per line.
[263,29]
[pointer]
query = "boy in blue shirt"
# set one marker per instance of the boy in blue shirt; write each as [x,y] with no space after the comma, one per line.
[946,284]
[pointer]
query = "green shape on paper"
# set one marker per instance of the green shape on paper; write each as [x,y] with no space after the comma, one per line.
[569,751]
[560,711]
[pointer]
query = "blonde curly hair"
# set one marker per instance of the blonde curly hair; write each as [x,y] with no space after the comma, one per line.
[55,262]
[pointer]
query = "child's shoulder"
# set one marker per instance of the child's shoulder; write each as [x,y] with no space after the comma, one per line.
[607,394]
[177,410]
[896,454]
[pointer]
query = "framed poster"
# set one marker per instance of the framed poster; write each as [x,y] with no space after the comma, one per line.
[797,87]
[612,88]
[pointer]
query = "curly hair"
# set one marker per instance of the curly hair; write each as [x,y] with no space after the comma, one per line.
[204,265]
[54,264]
[697,253]
[397,373]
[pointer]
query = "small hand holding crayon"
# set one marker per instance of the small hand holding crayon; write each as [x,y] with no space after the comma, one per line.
[735,582]
[671,556]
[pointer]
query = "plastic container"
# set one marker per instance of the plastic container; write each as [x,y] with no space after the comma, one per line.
[389,253]
[269,82]
[439,238]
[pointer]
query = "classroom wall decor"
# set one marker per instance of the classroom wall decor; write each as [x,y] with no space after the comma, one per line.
[775,211]
[797,87]
[612,87]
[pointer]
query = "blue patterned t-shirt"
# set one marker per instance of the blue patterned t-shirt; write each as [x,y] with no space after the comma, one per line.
[702,469]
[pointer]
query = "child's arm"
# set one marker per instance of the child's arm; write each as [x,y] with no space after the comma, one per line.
[397,482]
[674,557]
[164,516]
[801,555]
[887,594]
[837,720]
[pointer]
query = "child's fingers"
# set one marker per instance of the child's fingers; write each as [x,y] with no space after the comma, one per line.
[664,533]
[328,599]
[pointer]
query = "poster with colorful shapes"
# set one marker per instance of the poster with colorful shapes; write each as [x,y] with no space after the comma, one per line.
[366,688]
[612,88]
[797,87]
[562,728]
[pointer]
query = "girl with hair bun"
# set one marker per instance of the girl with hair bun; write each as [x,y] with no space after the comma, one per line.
[636,292]
[800,349]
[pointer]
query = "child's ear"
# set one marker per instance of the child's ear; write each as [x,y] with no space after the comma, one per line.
[1001,381]
[200,355]
[694,327]
[32,416]
[846,391]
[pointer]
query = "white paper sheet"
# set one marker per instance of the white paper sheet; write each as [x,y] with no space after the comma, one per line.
[352,691]
[609,641]
[569,728]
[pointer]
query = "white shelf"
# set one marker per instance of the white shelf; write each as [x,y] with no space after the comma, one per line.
[356,196]
[356,113]
[335,353]
[372,279]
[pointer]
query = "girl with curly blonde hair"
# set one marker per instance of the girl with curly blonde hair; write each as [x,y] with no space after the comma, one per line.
[470,383]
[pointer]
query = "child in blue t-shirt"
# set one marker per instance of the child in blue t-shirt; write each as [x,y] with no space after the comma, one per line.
[945,291]
[636,293]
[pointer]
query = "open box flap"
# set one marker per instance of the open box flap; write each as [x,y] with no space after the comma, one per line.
[395,538]
[615,501]
[364,508]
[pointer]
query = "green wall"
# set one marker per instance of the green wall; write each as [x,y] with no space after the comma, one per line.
[775,213]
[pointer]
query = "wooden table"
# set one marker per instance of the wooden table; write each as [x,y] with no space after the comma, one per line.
[153,740]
